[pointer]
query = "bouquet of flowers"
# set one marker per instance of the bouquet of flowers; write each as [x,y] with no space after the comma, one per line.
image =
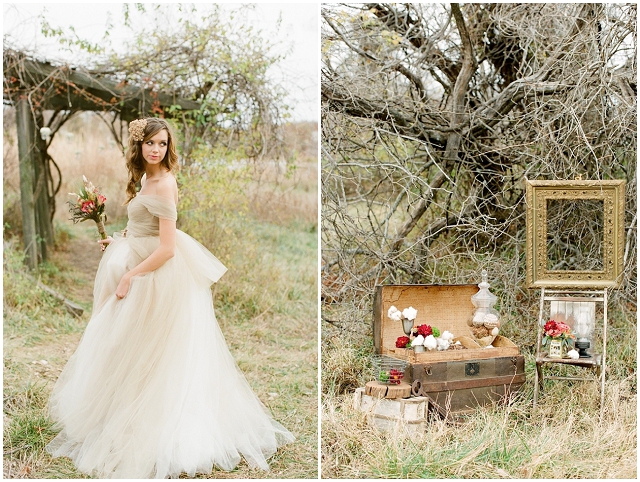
[557,330]
[89,204]
[426,336]
[408,314]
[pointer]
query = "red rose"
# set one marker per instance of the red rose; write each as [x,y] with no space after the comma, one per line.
[402,342]
[425,330]
[88,206]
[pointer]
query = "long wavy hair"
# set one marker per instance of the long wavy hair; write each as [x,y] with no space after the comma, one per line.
[135,161]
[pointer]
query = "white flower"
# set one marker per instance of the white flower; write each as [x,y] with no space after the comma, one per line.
[447,335]
[443,344]
[495,331]
[418,340]
[430,342]
[394,313]
[410,313]
[573,354]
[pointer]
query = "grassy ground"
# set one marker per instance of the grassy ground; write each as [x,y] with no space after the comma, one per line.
[563,437]
[270,292]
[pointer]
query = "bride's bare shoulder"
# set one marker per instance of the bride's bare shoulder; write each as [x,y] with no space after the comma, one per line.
[167,187]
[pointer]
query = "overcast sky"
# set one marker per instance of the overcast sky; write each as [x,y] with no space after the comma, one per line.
[298,33]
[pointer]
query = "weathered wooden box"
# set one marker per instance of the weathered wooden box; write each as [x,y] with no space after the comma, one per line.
[456,381]
[403,414]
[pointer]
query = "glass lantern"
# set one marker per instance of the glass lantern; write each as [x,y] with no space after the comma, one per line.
[584,326]
[485,314]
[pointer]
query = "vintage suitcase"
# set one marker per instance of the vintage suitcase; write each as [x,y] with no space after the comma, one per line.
[456,381]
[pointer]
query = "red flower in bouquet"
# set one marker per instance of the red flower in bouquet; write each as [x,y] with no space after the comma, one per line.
[424,330]
[87,207]
[402,341]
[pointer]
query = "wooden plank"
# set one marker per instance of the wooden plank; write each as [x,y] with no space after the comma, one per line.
[24,123]
[455,355]
[137,100]
[377,319]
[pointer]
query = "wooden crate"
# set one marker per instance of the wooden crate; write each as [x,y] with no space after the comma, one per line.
[455,380]
[404,414]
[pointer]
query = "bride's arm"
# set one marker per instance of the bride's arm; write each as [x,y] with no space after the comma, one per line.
[160,256]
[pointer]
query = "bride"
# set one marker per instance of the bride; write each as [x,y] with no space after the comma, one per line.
[152,390]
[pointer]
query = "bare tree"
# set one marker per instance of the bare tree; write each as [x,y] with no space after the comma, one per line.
[432,118]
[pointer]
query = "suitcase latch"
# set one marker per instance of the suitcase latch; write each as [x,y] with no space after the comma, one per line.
[471,369]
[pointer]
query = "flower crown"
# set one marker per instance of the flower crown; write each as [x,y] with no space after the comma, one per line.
[136,129]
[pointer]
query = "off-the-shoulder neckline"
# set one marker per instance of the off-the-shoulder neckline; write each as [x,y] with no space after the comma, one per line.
[154,195]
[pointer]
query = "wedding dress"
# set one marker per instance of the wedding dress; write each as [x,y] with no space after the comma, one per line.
[152,390]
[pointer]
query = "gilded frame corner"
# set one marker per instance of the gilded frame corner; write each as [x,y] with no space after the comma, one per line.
[612,193]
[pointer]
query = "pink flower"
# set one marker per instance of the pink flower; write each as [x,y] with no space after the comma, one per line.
[101,199]
[88,206]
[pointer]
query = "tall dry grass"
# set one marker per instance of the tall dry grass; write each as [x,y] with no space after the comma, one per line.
[562,439]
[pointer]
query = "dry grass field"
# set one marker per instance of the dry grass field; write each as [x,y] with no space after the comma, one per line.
[263,227]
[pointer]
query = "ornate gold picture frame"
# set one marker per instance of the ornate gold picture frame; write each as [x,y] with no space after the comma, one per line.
[606,209]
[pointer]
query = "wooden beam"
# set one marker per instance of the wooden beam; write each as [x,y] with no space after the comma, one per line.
[91,91]
[26,148]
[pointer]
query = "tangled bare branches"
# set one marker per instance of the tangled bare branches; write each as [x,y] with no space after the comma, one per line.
[432,118]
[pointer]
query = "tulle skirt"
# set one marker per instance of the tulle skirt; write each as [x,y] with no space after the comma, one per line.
[152,390]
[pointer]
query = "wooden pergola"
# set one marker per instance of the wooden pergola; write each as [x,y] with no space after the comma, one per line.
[33,87]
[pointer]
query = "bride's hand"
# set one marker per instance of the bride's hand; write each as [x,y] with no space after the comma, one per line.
[105,242]
[123,287]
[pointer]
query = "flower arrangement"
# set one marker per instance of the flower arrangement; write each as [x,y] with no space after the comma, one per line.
[89,204]
[419,337]
[557,330]
[428,337]
[406,314]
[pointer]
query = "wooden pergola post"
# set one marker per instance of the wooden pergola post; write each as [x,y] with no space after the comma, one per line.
[26,156]
[44,222]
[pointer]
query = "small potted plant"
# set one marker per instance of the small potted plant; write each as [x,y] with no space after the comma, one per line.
[558,338]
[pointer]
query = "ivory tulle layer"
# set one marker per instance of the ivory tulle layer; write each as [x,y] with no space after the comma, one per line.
[152,390]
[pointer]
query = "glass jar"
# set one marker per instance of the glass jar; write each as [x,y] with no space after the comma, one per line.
[485,319]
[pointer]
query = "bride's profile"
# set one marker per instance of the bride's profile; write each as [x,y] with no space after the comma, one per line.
[152,390]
